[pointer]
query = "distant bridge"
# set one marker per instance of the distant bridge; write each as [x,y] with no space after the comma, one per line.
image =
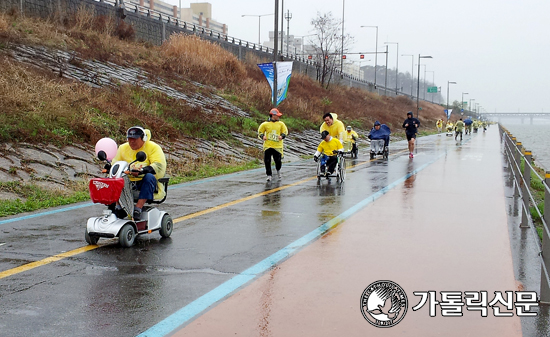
[521,115]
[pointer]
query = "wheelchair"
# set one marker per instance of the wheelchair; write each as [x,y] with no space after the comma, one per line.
[339,169]
[384,150]
[350,148]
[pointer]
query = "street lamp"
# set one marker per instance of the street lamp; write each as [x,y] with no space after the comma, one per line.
[462,102]
[259,20]
[342,56]
[470,108]
[412,71]
[418,83]
[375,53]
[448,82]
[396,66]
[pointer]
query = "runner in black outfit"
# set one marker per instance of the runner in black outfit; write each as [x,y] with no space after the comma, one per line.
[411,124]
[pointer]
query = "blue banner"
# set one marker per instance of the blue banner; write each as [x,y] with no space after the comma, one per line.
[284,71]
[448,112]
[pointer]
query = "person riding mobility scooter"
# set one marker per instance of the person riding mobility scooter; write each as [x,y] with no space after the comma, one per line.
[136,175]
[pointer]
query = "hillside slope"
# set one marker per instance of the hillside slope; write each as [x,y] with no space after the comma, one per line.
[66,84]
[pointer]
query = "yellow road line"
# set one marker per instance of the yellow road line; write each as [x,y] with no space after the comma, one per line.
[45,261]
[48,260]
[234,202]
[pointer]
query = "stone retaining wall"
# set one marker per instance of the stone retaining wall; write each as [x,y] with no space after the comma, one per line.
[155,29]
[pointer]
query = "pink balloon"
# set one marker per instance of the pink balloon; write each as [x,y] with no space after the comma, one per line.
[108,145]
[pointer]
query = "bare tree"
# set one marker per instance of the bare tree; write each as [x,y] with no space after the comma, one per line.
[327,45]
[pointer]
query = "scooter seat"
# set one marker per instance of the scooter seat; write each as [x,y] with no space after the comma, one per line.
[164,181]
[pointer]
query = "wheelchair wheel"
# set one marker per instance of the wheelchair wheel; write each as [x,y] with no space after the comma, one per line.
[386,153]
[341,176]
[371,155]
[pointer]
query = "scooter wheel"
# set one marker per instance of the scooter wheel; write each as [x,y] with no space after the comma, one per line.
[127,236]
[91,240]
[166,226]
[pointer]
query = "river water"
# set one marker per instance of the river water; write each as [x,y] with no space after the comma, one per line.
[535,138]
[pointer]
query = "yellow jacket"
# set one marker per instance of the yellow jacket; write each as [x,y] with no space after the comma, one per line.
[272,130]
[329,147]
[337,129]
[155,159]
[348,136]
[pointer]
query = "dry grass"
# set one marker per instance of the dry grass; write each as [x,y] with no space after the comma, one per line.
[3,23]
[38,106]
[201,60]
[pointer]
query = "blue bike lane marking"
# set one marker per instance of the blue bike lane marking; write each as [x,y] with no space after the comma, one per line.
[188,312]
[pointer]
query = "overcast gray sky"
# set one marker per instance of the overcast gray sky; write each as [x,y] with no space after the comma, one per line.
[496,50]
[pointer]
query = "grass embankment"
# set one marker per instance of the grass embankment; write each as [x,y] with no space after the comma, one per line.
[39,106]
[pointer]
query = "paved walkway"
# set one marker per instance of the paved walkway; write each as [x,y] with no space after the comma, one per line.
[417,235]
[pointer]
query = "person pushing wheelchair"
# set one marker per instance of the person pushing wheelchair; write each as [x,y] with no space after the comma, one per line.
[328,148]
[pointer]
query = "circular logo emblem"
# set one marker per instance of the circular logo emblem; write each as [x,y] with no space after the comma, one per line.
[384,304]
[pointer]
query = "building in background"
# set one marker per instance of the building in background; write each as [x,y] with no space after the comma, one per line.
[295,44]
[353,69]
[199,14]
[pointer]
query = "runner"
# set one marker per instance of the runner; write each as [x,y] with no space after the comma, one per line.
[439,125]
[272,133]
[411,128]
[459,128]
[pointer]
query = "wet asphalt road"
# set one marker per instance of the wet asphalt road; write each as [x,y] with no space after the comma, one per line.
[118,291]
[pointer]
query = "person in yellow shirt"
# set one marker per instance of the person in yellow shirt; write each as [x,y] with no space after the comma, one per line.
[439,125]
[144,175]
[272,133]
[329,148]
[351,137]
[449,126]
[333,125]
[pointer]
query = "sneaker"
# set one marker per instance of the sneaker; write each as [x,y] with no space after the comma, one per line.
[411,155]
[279,174]
[268,178]
[137,215]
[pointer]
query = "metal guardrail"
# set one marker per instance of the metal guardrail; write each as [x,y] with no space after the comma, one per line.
[515,154]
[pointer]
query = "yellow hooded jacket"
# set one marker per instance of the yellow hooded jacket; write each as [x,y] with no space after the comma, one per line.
[348,136]
[337,129]
[155,159]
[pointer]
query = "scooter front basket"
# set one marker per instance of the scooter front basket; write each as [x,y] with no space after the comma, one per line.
[105,190]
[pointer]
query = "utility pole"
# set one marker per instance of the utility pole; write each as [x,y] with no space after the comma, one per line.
[288,16]
[275,52]
[282,24]
[386,75]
